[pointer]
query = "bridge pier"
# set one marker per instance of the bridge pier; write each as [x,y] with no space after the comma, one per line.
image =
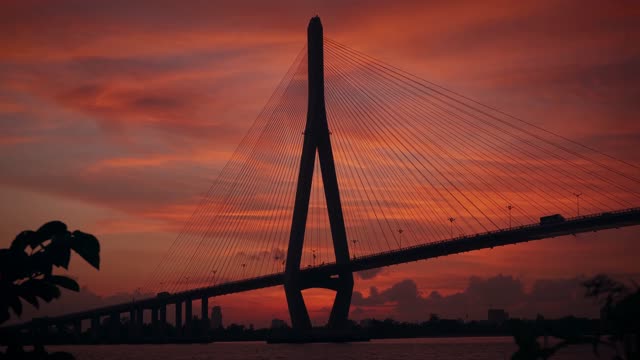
[154,321]
[178,318]
[60,329]
[205,313]
[300,319]
[163,313]
[132,331]
[77,329]
[39,331]
[114,326]
[188,317]
[95,328]
[162,326]
[139,322]
[339,317]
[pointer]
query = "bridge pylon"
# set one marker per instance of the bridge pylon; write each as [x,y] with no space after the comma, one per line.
[317,140]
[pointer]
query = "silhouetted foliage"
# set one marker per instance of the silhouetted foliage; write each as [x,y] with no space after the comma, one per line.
[619,328]
[26,272]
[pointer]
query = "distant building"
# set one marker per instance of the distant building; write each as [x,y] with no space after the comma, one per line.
[279,324]
[497,316]
[216,317]
[366,323]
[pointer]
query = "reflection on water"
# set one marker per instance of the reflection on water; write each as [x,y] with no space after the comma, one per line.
[469,348]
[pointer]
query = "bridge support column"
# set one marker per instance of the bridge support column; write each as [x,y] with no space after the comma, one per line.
[163,314]
[39,333]
[179,318]
[300,319]
[61,329]
[95,328]
[205,313]
[162,326]
[140,322]
[77,329]
[317,139]
[114,326]
[339,317]
[188,317]
[154,315]
[154,321]
[132,331]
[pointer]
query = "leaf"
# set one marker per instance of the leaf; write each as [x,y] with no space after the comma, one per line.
[31,299]
[87,246]
[13,264]
[41,262]
[59,253]
[65,282]
[16,305]
[63,258]
[48,292]
[24,239]
[4,314]
[7,291]
[40,288]
[51,229]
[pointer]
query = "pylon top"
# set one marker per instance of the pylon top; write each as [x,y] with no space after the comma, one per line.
[315,25]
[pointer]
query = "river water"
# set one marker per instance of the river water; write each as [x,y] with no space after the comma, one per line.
[463,348]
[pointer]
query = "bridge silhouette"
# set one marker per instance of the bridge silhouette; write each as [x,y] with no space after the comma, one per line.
[409,171]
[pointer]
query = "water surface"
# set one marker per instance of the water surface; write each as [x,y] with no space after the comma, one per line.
[463,348]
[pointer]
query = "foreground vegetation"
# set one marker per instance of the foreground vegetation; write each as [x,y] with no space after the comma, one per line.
[27,276]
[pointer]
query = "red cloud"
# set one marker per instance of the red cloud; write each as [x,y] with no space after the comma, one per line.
[128,111]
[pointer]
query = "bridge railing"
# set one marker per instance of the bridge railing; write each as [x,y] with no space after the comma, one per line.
[490,232]
[432,243]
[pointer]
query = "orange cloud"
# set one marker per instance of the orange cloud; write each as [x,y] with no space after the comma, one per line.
[127,112]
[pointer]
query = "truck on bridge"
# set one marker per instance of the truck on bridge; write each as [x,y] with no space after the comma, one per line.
[552,219]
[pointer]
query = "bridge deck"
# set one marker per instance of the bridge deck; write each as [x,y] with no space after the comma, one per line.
[581,224]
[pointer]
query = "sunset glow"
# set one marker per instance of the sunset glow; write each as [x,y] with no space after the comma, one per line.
[116,118]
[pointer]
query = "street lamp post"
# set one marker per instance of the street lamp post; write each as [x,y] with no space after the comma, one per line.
[509,207]
[451,220]
[577,195]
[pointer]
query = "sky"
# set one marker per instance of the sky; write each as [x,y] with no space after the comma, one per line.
[115,117]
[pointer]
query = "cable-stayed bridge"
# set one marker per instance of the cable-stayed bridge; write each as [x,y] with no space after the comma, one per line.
[354,164]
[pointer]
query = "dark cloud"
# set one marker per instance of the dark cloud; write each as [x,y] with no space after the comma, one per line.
[369,274]
[550,297]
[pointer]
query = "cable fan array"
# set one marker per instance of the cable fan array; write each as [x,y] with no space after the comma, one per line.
[416,163]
